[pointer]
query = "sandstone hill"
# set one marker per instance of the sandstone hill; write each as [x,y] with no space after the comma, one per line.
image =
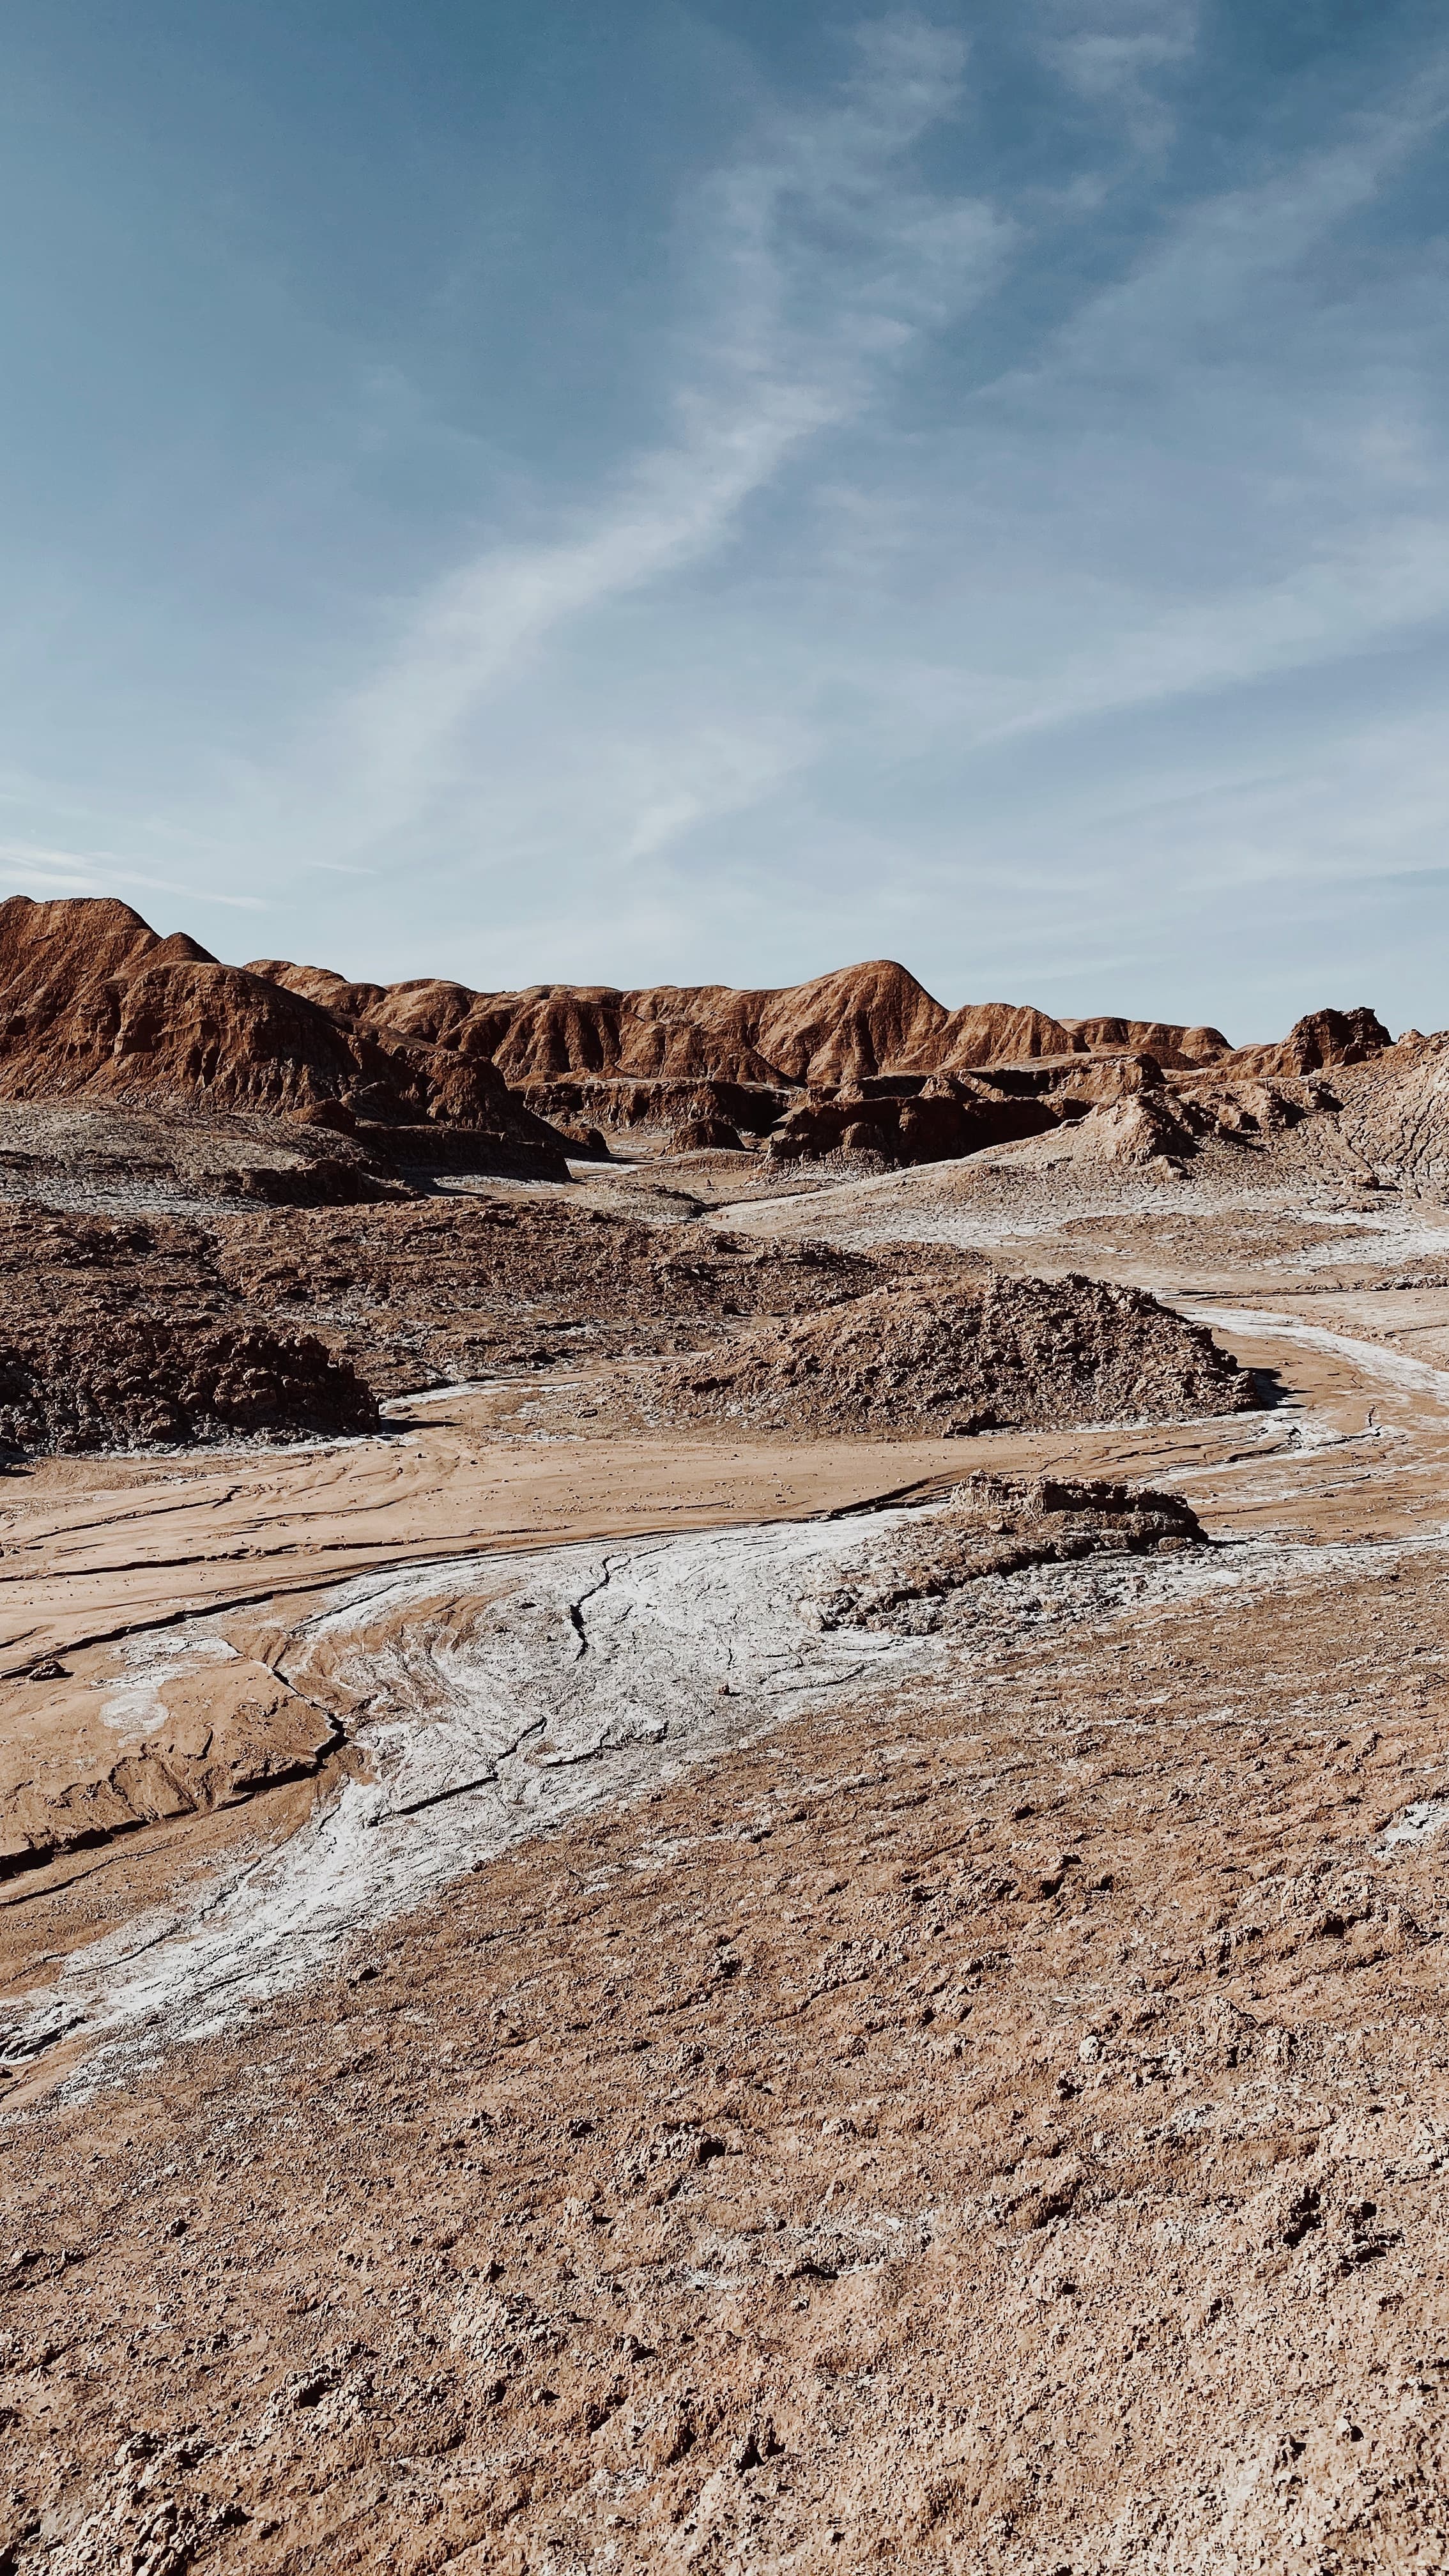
[860,1063]
[863,1063]
[836,1031]
[94,1002]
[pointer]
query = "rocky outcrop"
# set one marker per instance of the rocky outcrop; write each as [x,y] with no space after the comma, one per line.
[946,1116]
[999,1525]
[1392,1113]
[619,1103]
[1314,1044]
[706,1136]
[94,1003]
[939,1359]
[147,1383]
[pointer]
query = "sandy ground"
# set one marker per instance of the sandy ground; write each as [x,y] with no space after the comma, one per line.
[681,2084]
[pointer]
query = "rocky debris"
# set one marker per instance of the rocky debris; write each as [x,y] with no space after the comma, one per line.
[999,1525]
[946,1357]
[1241,1111]
[924,1122]
[461,1288]
[93,1002]
[649,1111]
[149,1384]
[123,1333]
[1159,1130]
[1132,1132]
[1377,1118]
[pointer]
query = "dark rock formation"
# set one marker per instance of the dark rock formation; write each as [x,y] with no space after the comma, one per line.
[147,1384]
[943,1357]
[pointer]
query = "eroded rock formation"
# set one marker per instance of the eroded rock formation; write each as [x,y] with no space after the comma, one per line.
[862,1063]
[92,1001]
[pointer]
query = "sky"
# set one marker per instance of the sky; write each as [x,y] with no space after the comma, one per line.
[679,493]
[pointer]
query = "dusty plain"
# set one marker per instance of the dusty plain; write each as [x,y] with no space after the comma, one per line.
[584,1989]
[993,2110]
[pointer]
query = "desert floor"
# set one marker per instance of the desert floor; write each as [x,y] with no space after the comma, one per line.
[654,2076]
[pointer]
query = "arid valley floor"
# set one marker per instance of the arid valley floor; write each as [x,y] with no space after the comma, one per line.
[723,1849]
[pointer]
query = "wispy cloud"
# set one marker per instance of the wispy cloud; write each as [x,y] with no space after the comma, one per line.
[1040,536]
[30,866]
[818,264]
[1114,55]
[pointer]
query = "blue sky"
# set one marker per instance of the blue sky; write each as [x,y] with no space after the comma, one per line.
[717,491]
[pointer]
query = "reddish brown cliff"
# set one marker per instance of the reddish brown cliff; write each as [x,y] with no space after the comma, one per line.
[93,1001]
[863,1060]
[833,1033]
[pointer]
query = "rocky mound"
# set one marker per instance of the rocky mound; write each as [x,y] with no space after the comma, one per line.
[1139,1134]
[149,1384]
[1323,1039]
[460,1288]
[706,1136]
[997,1525]
[297,1321]
[124,1335]
[942,1358]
